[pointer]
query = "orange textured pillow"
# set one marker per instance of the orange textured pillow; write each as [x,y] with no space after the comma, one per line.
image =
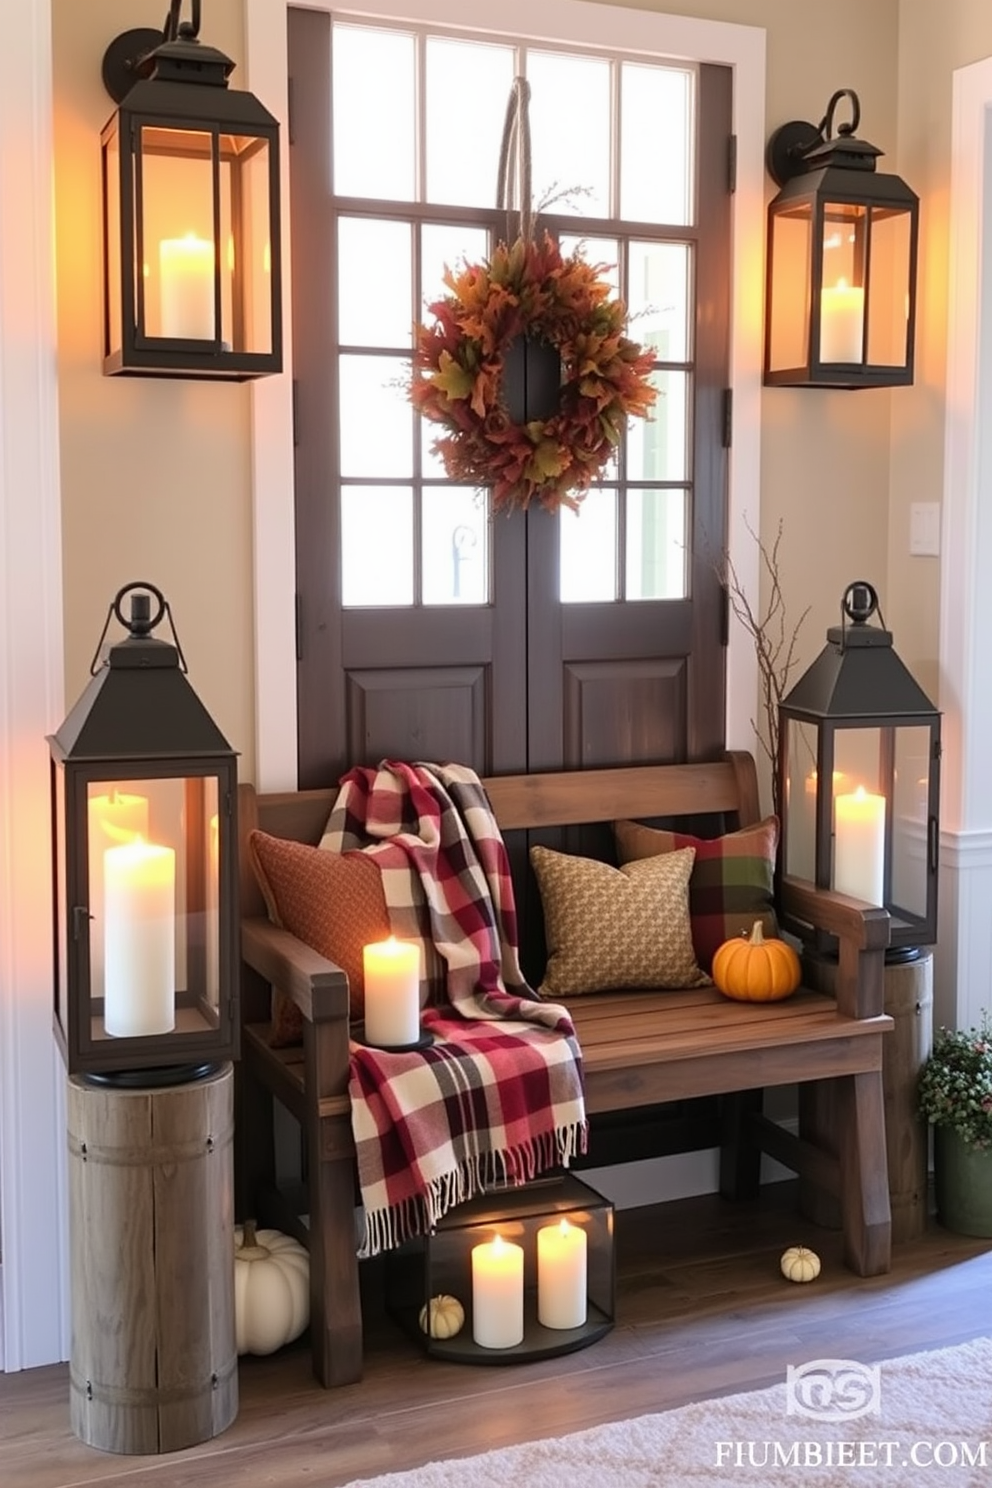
[333,902]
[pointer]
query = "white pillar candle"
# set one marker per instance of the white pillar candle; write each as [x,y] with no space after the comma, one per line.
[498,1294]
[561,1275]
[140,939]
[859,845]
[114,819]
[842,316]
[392,993]
[186,267]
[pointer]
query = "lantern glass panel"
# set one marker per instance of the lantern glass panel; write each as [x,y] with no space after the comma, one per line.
[910,814]
[861,812]
[842,293]
[153,906]
[177,233]
[800,801]
[246,211]
[888,310]
[112,237]
[790,251]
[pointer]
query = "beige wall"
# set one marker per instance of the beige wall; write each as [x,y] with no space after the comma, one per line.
[156,479]
[155,473]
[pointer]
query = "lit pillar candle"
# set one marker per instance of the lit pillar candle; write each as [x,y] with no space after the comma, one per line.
[139,891]
[859,845]
[392,993]
[561,1275]
[114,819]
[498,1294]
[842,314]
[186,266]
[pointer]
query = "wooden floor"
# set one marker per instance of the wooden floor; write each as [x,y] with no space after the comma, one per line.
[702,1311]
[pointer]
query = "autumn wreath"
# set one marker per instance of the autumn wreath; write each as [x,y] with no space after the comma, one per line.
[529,289]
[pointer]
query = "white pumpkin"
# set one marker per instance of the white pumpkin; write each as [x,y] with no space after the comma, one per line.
[799,1263]
[271,1289]
[443,1316]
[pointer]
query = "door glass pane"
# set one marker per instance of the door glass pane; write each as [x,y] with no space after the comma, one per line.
[376,417]
[463,162]
[655,179]
[657,446]
[374,268]
[455,526]
[588,549]
[373,102]
[658,298]
[656,544]
[571,166]
[377,545]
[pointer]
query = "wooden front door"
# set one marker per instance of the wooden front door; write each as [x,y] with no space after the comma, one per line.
[542,661]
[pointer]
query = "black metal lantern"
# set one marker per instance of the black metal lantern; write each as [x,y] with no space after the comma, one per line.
[144,793]
[859,776]
[190,213]
[840,306]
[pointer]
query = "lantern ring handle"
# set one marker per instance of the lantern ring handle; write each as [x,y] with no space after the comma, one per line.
[860,602]
[144,625]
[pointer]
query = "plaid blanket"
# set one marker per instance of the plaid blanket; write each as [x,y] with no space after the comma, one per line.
[498,1096]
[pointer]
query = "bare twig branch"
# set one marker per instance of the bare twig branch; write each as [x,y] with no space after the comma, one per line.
[774,643]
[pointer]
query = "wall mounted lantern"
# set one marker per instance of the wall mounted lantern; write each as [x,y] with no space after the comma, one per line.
[859,776]
[144,796]
[840,304]
[190,212]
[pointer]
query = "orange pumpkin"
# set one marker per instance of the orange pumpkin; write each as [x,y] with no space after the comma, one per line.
[750,968]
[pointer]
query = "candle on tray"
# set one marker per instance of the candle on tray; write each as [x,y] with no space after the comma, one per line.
[859,845]
[498,1294]
[392,993]
[561,1275]
[187,269]
[139,892]
[842,315]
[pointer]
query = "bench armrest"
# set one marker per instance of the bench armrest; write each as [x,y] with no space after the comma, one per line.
[318,986]
[862,934]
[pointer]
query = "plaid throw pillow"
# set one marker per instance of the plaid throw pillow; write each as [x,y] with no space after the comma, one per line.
[333,902]
[732,878]
[610,928]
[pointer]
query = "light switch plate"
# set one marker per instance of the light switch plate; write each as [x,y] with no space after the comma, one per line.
[924,529]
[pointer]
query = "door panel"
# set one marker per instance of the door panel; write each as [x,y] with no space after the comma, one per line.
[634,711]
[419,713]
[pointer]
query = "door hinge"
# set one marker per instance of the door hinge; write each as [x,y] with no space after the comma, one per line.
[732,163]
[298,620]
[728,417]
[724,615]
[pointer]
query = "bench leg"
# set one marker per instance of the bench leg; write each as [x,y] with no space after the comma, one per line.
[866,1215]
[335,1301]
[740,1155]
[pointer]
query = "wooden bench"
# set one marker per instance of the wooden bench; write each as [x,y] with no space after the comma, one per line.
[639,1048]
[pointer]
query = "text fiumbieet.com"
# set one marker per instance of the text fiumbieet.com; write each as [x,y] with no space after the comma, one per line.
[879,1453]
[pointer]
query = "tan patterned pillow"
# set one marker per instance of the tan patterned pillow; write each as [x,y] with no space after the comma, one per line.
[608,928]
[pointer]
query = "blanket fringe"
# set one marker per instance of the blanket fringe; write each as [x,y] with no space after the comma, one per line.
[394,1224]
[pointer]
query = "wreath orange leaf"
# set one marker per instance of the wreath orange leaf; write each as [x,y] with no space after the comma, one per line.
[529,289]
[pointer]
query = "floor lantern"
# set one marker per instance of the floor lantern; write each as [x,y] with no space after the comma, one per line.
[859,776]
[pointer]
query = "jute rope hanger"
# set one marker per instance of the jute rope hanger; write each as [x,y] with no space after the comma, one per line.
[513,184]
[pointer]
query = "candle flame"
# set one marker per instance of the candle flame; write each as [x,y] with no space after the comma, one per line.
[564,1227]
[498,1244]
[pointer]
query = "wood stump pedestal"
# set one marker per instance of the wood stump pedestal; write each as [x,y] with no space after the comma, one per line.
[153,1363]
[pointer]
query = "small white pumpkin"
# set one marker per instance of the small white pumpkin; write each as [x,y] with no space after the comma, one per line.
[443,1316]
[799,1263]
[271,1289]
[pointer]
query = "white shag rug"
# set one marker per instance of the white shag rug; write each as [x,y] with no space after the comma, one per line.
[922,1421]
